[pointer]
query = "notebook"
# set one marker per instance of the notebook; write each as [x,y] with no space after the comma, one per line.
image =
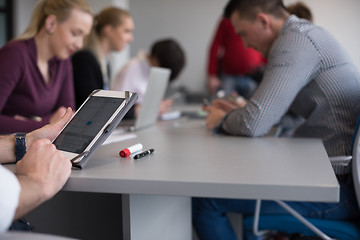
[149,110]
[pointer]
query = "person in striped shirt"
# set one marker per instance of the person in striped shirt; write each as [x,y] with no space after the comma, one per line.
[309,74]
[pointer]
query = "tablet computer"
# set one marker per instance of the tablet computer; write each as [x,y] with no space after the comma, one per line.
[92,123]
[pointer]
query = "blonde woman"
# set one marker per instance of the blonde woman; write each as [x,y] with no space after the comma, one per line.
[112,31]
[36,82]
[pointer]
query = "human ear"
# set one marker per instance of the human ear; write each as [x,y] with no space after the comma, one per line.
[235,19]
[50,24]
[107,30]
[264,20]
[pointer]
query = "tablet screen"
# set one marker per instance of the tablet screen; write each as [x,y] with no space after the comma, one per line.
[87,123]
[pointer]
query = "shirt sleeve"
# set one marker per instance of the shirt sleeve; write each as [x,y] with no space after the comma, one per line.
[10,192]
[133,77]
[215,46]
[11,70]
[11,125]
[293,62]
[125,78]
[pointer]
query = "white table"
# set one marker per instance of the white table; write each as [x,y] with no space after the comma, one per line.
[156,191]
[188,161]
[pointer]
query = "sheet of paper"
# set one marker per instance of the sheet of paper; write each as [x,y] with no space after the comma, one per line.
[119,135]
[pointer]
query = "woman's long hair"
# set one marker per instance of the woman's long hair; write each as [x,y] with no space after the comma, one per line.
[60,8]
[112,16]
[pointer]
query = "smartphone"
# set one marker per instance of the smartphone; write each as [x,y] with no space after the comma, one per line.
[206,102]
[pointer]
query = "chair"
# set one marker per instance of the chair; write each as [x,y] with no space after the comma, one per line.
[346,230]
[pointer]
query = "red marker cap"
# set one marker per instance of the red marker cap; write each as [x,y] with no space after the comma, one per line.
[124,153]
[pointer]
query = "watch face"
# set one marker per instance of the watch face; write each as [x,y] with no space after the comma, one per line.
[20,136]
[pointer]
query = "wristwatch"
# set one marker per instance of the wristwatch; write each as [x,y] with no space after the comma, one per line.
[20,146]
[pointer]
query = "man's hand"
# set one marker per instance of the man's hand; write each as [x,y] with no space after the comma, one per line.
[228,105]
[214,116]
[49,131]
[223,104]
[57,115]
[45,165]
[41,173]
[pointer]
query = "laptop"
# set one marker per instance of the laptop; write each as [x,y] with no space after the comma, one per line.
[155,92]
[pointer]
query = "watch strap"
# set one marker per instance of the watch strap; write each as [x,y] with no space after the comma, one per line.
[20,145]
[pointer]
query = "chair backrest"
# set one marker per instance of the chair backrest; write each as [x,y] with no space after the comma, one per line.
[356,161]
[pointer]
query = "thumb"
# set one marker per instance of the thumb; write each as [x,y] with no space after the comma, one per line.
[64,118]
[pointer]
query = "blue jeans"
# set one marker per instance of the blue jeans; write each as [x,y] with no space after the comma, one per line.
[211,223]
[243,85]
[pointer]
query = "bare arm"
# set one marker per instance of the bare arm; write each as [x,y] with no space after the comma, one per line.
[7,148]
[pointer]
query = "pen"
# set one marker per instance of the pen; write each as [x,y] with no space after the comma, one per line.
[144,153]
[130,150]
[206,102]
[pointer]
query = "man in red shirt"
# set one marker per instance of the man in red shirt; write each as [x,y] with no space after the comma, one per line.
[231,64]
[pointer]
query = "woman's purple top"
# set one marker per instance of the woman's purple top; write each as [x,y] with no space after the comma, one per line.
[23,90]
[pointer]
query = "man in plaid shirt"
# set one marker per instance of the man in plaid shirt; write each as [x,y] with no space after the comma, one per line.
[309,74]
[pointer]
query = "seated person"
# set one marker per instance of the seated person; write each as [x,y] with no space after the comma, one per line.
[36,82]
[112,31]
[232,67]
[308,73]
[134,76]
